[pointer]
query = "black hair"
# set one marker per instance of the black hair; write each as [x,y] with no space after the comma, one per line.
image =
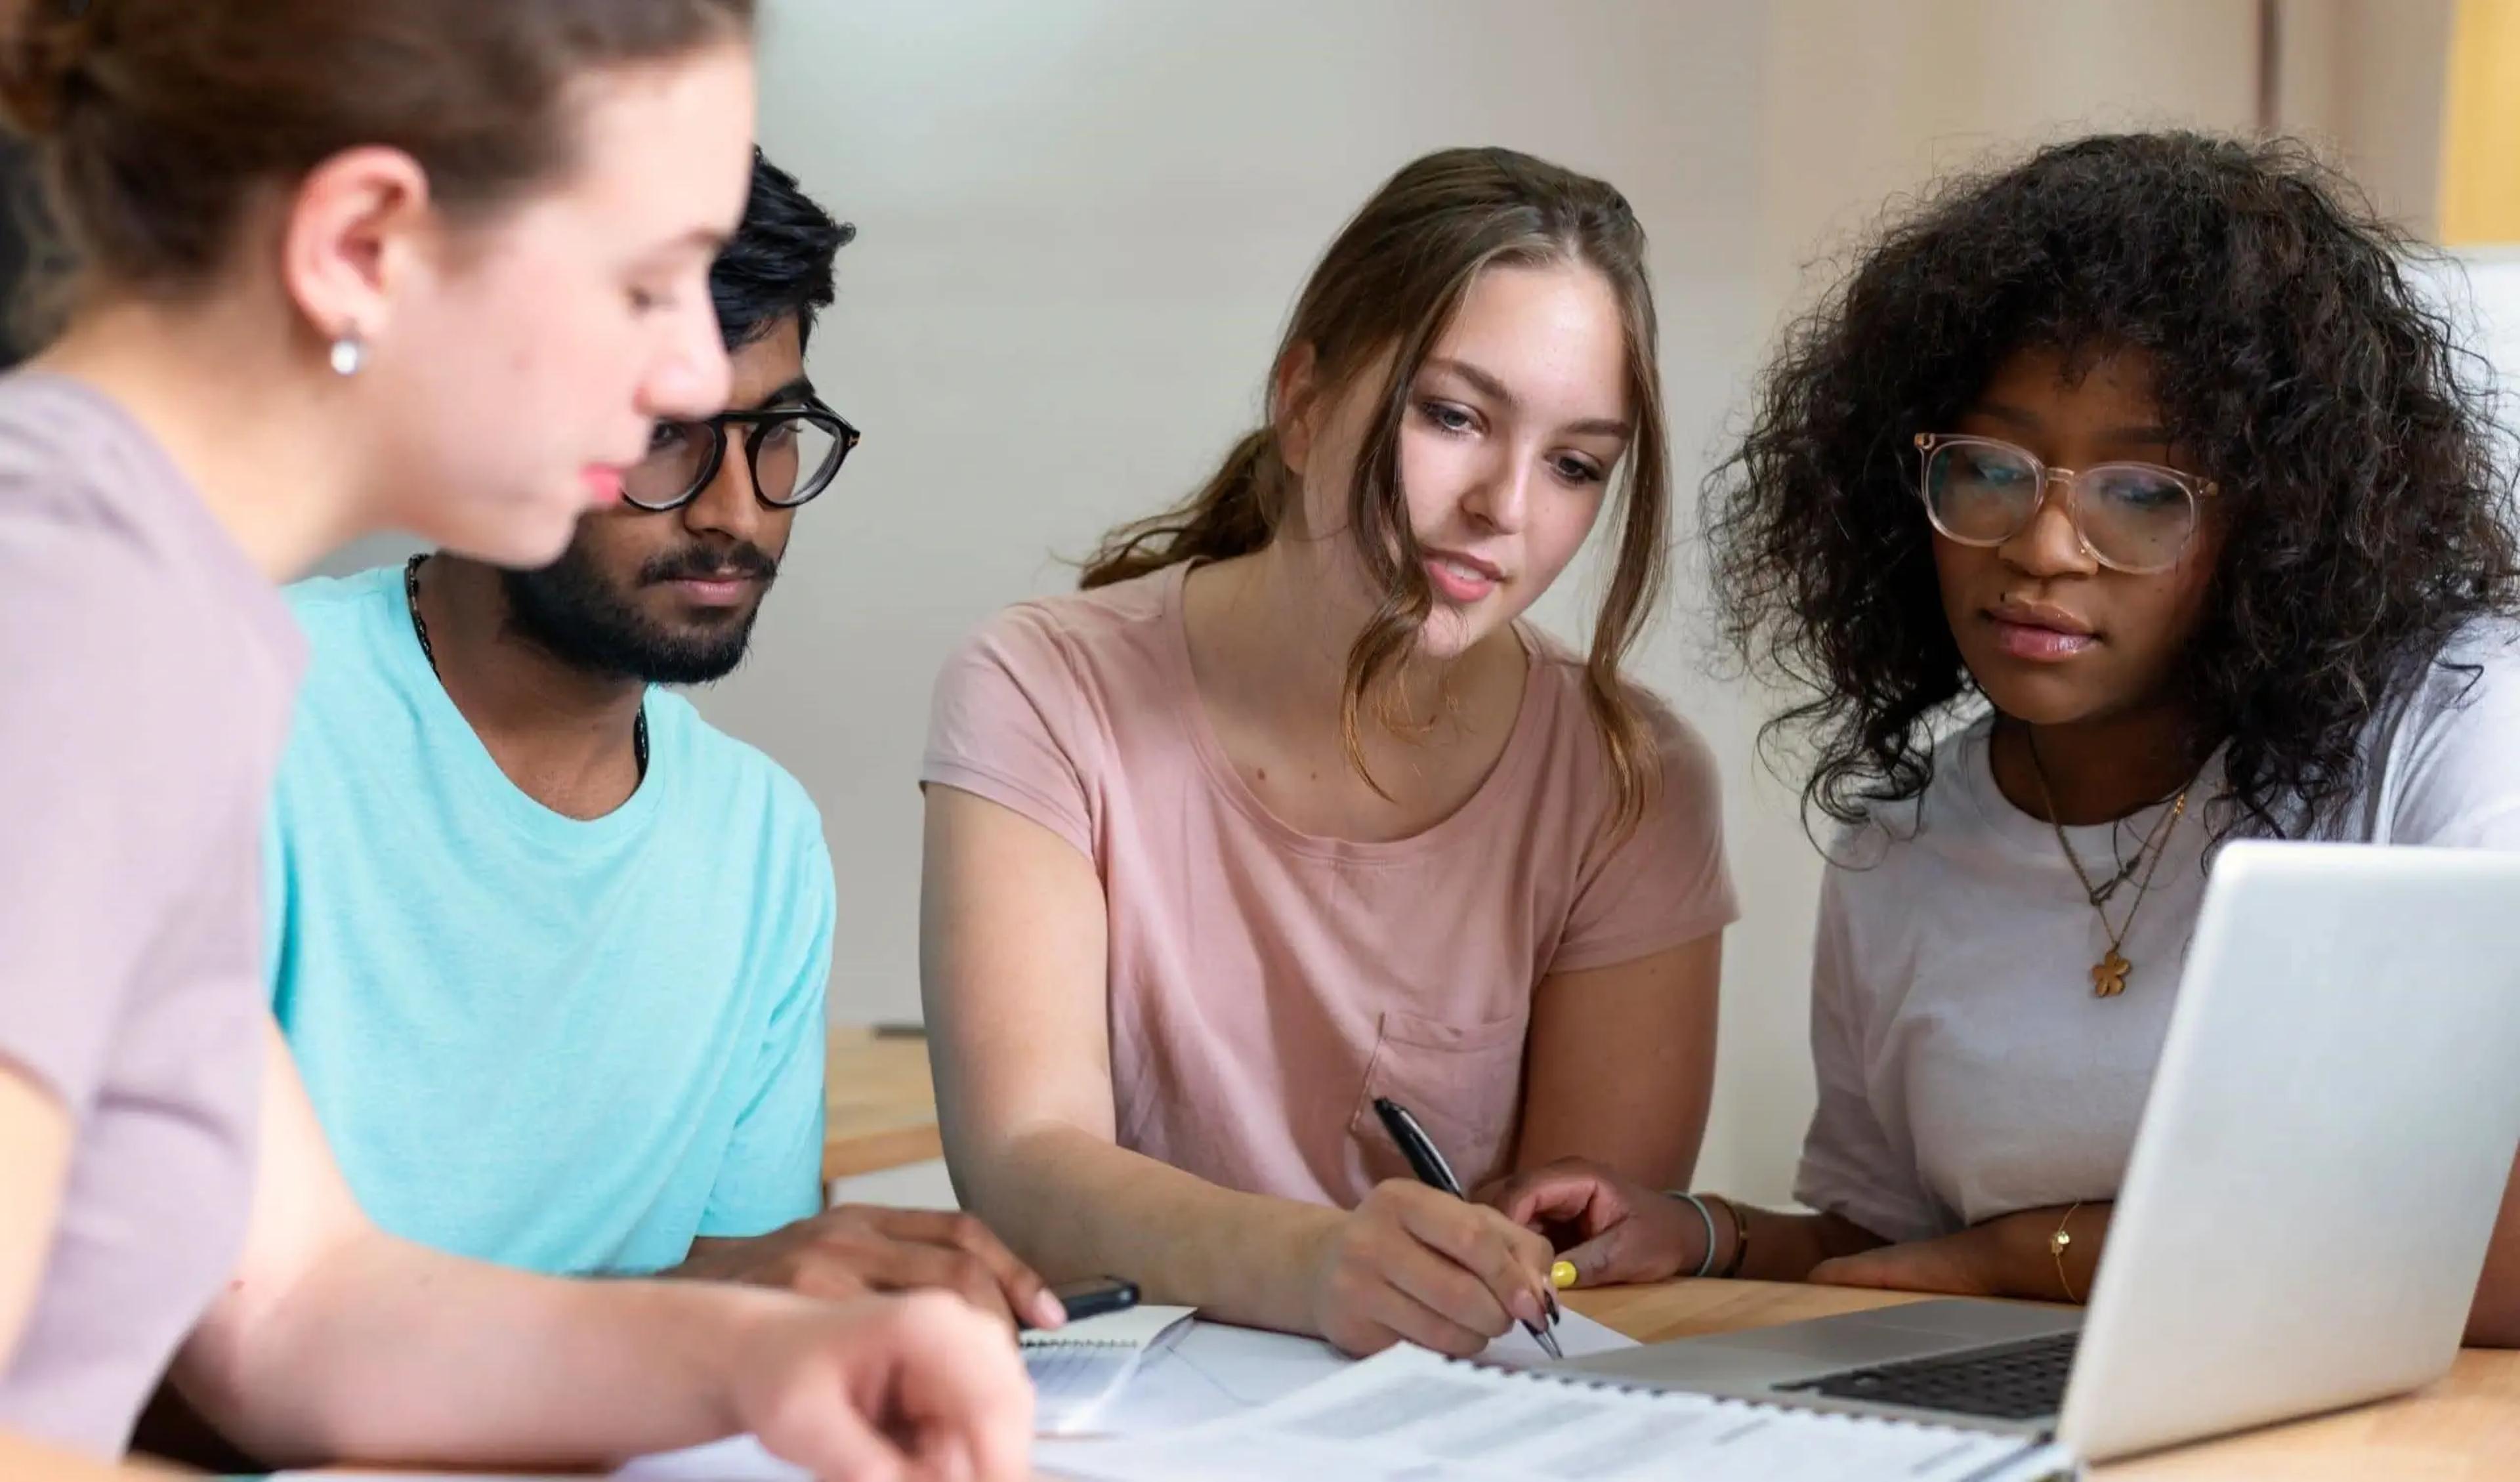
[779,263]
[2352,434]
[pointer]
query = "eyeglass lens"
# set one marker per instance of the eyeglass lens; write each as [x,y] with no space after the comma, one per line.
[1984,493]
[793,458]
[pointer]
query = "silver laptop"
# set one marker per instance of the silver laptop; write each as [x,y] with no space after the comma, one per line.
[2307,1206]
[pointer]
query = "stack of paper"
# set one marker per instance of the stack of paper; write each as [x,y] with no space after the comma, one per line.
[1177,1401]
[1080,1369]
[1411,1414]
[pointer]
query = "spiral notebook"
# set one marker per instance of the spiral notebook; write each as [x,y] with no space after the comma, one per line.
[1078,1370]
[1411,1414]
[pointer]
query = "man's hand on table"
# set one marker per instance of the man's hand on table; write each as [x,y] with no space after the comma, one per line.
[856,1249]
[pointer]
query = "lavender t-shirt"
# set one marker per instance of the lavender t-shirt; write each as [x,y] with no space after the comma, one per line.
[146,675]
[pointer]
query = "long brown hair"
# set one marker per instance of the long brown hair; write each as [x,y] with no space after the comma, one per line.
[157,120]
[1391,281]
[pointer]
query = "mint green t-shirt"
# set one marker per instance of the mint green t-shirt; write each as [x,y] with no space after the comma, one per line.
[565,1044]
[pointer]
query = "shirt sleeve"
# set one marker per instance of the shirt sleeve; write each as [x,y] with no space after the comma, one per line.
[2459,786]
[997,723]
[1667,881]
[773,1172]
[1851,1167]
[102,804]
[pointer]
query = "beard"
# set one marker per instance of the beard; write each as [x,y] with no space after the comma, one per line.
[575,612]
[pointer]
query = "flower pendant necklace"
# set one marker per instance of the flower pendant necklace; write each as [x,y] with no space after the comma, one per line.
[2109,974]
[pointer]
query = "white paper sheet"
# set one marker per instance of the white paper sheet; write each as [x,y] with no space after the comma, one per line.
[739,1460]
[1200,1372]
[1078,1371]
[1578,1338]
[1213,1370]
[1410,1415]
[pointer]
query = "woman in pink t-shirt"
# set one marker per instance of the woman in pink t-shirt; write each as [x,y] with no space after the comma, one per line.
[1288,811]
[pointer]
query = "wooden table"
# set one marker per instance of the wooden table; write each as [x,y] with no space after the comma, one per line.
[2466,1426]
[880,1105]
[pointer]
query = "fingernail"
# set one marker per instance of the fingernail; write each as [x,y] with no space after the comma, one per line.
[1563,1274]
[1556,1312]
[1046,1311]
[1526,1306]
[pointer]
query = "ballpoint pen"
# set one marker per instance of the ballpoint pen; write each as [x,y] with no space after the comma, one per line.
[1427,1162]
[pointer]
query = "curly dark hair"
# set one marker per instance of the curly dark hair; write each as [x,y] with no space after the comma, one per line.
[2291,354]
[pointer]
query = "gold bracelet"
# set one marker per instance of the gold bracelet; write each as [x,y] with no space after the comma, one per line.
[1740,1241]
[2056,1245]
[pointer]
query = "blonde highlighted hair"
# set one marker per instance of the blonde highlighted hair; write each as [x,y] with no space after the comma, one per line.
[1391,281]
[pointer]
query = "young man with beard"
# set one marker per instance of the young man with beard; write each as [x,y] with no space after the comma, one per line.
[550,947]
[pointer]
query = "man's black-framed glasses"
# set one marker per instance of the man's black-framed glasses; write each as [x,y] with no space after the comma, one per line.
[793,452]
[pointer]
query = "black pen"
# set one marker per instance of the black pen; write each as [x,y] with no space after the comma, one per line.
[1427,1162]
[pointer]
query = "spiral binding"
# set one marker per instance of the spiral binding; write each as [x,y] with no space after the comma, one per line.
[1606,1385]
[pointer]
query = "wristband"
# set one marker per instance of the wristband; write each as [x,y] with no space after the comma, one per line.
[1706,1262]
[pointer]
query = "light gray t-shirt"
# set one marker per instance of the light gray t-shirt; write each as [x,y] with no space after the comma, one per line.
[1965,1068]
[146,675]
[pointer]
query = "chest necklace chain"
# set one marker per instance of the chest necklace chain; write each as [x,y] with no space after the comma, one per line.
[420,630]
[2109,974]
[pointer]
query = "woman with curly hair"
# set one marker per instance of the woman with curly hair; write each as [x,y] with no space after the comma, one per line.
[2119,504]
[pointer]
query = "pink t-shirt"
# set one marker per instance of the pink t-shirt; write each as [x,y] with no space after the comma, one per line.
[1266,985]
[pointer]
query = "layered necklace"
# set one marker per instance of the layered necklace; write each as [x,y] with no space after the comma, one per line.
[2109,974]
[420,630]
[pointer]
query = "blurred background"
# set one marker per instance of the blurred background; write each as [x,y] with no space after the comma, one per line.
[1083,221]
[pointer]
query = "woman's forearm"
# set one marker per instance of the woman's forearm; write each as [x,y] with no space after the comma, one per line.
[1784,1247]
[2494,1320]
[1620,1065]
[387,1351]
[22,1458]
[1073,1205]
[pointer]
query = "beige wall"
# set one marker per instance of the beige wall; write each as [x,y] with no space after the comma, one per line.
[1865,100]
[2364,77]
[1083,219]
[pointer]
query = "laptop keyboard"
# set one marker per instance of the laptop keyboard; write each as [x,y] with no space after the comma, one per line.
[2011,1381]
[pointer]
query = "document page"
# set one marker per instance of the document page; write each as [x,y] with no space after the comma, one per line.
[1411,1414]
[1079,1370]
[1231,1404]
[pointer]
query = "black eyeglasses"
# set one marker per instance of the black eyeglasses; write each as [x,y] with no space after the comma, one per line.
[793,452]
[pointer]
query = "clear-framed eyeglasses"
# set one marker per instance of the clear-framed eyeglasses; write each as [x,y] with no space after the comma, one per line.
[2137,518]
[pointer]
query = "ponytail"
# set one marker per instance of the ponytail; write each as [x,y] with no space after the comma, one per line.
[1233,513]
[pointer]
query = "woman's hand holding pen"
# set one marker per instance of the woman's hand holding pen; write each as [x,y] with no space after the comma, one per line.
[1413,1263]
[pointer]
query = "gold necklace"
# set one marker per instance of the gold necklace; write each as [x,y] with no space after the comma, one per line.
[2109,974]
